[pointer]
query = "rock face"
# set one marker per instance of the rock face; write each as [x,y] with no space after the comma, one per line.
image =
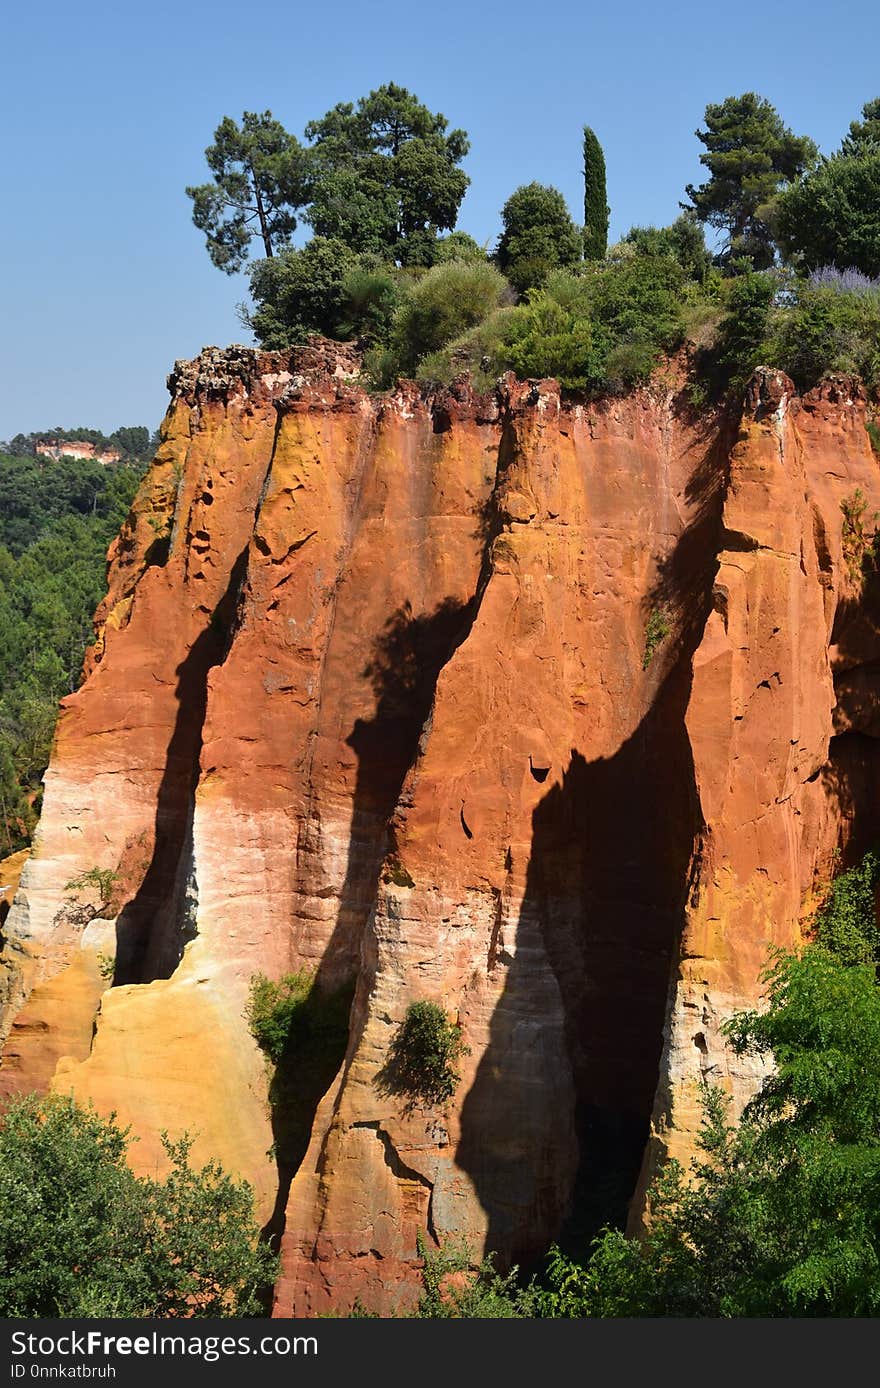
[57,449]
[372,697]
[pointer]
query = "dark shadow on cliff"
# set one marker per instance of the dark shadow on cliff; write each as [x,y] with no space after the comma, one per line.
[610,871]
[153,927]
[408,656]
[684,577]
[313,1052]
[605,893]
[851,775]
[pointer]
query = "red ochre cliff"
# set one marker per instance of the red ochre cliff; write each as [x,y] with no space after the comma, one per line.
[370,697]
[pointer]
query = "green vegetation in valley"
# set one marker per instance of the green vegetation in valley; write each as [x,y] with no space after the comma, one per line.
[82,1236]
[56,522]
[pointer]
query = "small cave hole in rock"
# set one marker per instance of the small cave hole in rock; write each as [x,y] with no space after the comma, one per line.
[539,773]
[469,833]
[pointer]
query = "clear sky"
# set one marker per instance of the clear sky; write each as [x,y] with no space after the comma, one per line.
[108,107]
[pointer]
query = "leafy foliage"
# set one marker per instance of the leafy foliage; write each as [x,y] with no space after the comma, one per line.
[750,155]
[780,1216]
[441,305]
[832,217]
[538,235]
[858,535]
[656,631]
[259,173]
[846,922]
[384,175]
[82,1236]
[299,292]
[453,1289]
[596,209]
[602,330]
[424,1055]
[553,335]
[682,242]
[275,1009]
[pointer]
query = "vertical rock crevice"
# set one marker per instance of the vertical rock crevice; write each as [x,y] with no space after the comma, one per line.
[154,926]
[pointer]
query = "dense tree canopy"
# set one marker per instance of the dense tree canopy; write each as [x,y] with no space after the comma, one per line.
[833,216]
[384,175]
[864,134]
[750,155]
[259,183]
[537,236]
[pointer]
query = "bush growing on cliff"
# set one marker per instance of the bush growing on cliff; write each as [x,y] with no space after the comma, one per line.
[440,306]
[82,1236]
[424,1055]
[823,327]
[846,922]
[454,1289]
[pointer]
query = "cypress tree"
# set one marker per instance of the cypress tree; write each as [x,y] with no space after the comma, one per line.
[596,207]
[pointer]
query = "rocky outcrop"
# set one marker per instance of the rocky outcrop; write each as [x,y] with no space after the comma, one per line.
[372,697]
[56,449]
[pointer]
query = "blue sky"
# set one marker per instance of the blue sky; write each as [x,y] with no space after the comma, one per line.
[108,109]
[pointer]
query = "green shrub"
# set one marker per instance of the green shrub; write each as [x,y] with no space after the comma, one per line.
[274,1010]
[858,535]
[298,292]
[874,435]
[846,922]
[743,329]
[293,1014]
[82,1236]
[442,305]
[537,237]
[656,631]
[544,338]
[823,328]
[683,242]
[371,295]
[638,299]
[454,1289]
[480,351]
[101,880]
[457,246]
[424,1055]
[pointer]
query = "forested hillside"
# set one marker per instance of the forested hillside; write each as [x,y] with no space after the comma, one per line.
[56,522]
